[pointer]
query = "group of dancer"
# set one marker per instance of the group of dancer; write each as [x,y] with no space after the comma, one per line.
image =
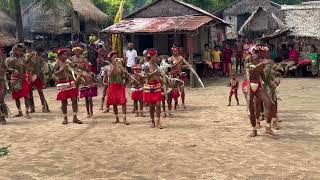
[152,85]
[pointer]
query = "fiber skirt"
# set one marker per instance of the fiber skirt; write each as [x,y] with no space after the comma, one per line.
[89,91]
[116,94]
[69,92]
[23,92]
[137,95]
[152,93]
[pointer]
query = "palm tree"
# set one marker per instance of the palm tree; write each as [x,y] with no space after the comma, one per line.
[17,8]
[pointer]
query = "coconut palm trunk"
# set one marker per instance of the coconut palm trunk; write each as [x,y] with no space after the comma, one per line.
[17,8]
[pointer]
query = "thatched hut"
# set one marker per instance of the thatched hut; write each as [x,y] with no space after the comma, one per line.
[303,27]
[83,18]
[163,23]
[7,30]
[250,18]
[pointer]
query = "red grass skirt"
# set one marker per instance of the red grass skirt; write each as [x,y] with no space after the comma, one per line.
[68,93]
[38,84]
[152,93]
[116,94]
[174,94]
[89,91]
[137,95]
[23,92]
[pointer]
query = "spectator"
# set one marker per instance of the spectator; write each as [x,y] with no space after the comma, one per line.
[283,53]
[227,56]
[314,57]
[131,57]
[293,59]
[273,52]
[216,57]
[92,57]
[206,58]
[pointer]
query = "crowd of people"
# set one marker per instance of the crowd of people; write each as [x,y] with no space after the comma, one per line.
[225,58]
[79,70]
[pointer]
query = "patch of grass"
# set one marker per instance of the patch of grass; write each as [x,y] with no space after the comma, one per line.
[4,151]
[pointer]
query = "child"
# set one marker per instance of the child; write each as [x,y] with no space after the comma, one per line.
[137,90]
[174,94]
[89,89]
[234,84]
[216,58]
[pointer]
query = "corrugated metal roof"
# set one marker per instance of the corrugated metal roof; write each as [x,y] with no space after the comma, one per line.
[159,24]
[7,40]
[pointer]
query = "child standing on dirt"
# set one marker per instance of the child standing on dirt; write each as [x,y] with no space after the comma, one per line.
[234,84]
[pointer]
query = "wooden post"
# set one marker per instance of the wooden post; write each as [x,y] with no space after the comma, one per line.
[190,53]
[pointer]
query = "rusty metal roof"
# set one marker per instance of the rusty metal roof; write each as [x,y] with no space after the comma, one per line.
[159,24]
[7,40]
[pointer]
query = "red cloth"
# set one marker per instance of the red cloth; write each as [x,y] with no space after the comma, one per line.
[137,95]
[23,92]
[174,94]
[294,55]
[38,84]
[234,92]
[67,94]
[116,94]
[304,62]
[227,55]
[153,96]
[89,91]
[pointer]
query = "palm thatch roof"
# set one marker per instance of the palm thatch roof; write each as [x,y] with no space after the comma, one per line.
[7,23]
[36,18]
[7,30]
[303,19]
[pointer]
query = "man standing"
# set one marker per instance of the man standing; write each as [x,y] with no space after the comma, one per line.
[131,56]
[66,86]
[227,55]
[20,79]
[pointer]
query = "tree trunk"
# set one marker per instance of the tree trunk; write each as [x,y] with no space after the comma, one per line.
[17,8]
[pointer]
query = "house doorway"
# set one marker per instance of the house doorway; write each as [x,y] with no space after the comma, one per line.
[145,42]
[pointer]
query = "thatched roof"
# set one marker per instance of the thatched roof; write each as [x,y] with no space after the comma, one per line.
[88,11]
[7,23]
[38,19]
[258,12]
[7,39]
[303,19]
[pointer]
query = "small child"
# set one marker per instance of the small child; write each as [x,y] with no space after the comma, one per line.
[234,84]
[216,58]
[89,88]
[137,90]
[174,94]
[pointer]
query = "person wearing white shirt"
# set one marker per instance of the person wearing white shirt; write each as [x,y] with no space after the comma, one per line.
[131,56]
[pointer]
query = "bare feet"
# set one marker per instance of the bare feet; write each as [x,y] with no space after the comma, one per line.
[170,115]
[19,114]
[76,120]
[32,110]
[229,104]
[261,117]
[28,115]
[270,132]
[88,115]
[3,122]
[238,104]
[159,124]
[153,124]
[278,120]
[142,114]
[65,121]
[258,125]
[164,114]
[125,122]
[45,110]
[184,106]
[254,133]
[137,115]
[116,121]
[276,126]
[106,111]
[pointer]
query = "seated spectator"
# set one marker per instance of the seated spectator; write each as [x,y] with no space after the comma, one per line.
[314,57]
[293,58]
[206,58]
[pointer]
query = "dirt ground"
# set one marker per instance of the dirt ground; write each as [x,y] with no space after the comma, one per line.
[206,141]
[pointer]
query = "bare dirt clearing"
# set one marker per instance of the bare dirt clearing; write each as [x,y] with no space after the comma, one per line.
[206,141]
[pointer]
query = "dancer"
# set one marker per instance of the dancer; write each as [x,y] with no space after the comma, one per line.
[4,110]
[152,89]
[104,74]
[116,94]
[137,82]
[259,60]
[35,67]
[20,80]
[89,88]
[66,86]
[176,71]
[234,84]
[174,94]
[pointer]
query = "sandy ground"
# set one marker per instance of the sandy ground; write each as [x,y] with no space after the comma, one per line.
[206,141]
